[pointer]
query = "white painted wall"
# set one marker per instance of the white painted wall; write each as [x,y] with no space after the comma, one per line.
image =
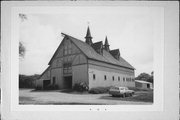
[100,71]
[58,74]
[143,85]
[80,74]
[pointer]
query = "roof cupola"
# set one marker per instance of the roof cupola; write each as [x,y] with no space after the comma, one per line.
[88,37]
[106,45]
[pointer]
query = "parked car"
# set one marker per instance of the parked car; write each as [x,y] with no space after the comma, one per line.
[120,91]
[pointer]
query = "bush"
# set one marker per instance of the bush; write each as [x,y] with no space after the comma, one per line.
[99,90]
[82,86]
[27,81]
[38,88]
[51,87]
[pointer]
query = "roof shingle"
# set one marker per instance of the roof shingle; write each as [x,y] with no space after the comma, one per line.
[92,54]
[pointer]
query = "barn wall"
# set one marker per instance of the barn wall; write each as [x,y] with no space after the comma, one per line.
[77,59]
[101,71]
[80,74]
[58,74]
[138,85]
[45,76]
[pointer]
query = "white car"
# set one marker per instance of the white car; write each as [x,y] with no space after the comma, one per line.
[120,91]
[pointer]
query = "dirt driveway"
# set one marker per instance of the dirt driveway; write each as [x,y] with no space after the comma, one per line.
[28,96]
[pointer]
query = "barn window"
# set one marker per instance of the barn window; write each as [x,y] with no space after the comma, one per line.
[113,78]
[54,80]
[105,77]
[118,78]
[67,68]
[94,76]
[123,79]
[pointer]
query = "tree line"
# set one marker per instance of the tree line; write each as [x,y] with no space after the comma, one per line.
[146,77]
[27,81]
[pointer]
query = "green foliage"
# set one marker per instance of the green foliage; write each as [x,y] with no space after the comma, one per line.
[27,81]
[99,90]
[22,16]
[51,87]
[22,49]
[145,77]
[82,86]
[38,88]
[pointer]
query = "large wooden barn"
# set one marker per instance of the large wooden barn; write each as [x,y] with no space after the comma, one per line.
[95,64]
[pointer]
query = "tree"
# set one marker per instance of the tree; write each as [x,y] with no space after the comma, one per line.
[22,16]
[21,49]
[21,46]
[151,79]
[145,77]
[27,81]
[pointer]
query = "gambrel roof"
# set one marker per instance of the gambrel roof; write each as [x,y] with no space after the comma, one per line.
[90,53]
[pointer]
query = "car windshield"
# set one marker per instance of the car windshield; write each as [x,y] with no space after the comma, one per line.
[115,88]
[121,88]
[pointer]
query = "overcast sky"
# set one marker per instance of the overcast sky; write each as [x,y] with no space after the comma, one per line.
[131,29]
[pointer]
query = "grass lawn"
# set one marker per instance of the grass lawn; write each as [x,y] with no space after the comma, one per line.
[139,96]
[65,97]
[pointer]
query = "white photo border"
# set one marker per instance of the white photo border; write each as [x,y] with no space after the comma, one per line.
[12,66]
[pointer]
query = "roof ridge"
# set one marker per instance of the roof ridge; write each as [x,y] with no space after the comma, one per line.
[114,49]
[98,42]
[92,54]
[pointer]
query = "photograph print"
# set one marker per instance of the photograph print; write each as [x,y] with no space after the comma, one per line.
[87,56]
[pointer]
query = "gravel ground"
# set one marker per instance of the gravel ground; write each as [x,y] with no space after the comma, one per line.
[57,97]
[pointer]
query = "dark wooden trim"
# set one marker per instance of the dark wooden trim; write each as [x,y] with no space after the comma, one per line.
[72,65]
[75,45]
[56,68]
[44,72]
[57,50]
[79,64]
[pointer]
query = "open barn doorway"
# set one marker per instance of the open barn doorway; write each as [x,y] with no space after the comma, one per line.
[46,83]
[68,82]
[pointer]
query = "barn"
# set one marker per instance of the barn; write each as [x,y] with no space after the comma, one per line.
[143,84]
[94,64]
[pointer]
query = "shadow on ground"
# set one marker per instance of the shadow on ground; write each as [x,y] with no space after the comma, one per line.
[68,91]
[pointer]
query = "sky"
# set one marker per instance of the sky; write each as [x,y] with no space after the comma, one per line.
[131,29]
